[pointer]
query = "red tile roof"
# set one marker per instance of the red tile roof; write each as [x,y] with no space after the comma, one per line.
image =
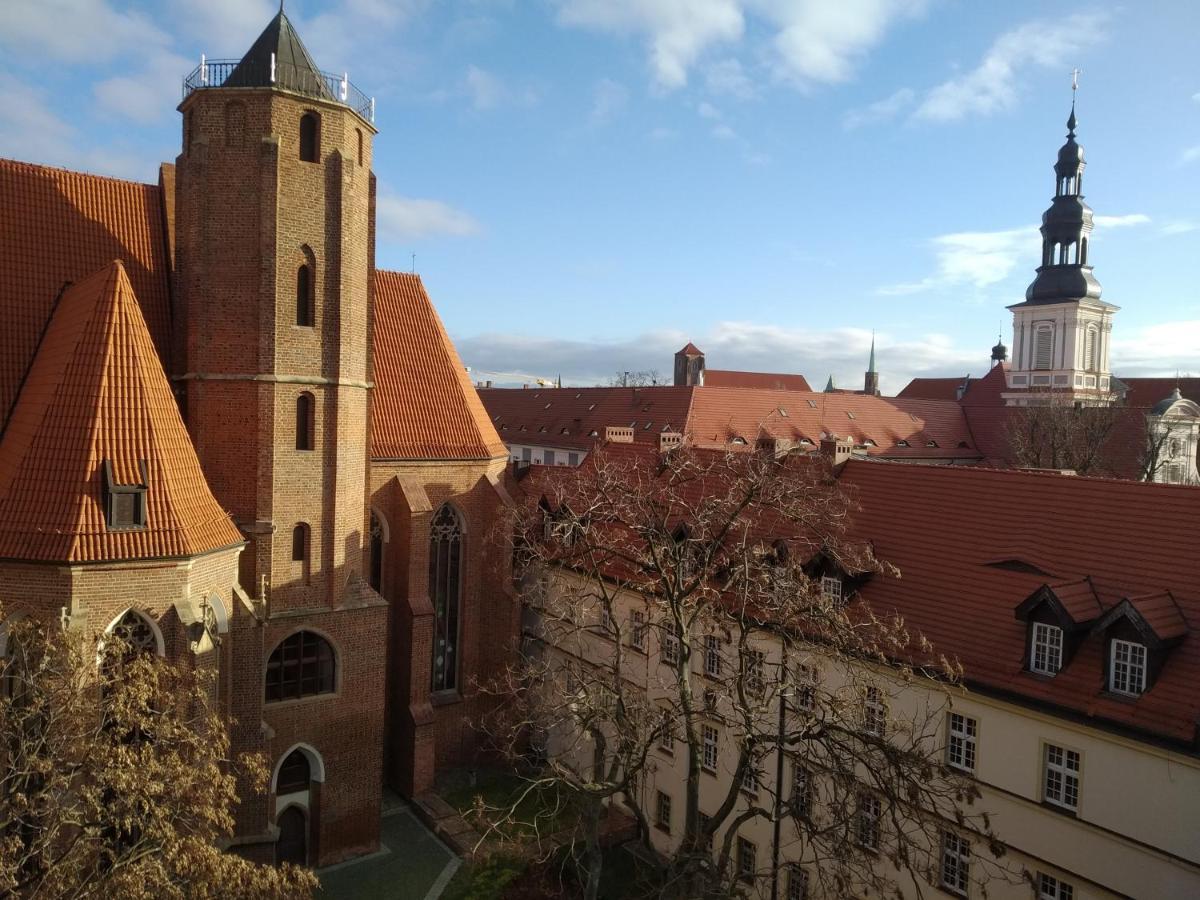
[1148,391]
[691,349]
[577,417]
[939,526]
[771,381]
[932,388]
[96,391]
[424,405]
[58,226]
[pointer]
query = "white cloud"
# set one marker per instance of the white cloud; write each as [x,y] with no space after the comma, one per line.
[880,111]
[1162,349]
[810,41]
[661,133]
[994,84]
[707,111]
[487,91]
[76,31]
[148,95]
[822,41]
[608,101]
[976,259]
[1179,226]
[1190,155]
[723,132]
[750,346]
[677,31]
[727,78]
[1121,221]
[408,218]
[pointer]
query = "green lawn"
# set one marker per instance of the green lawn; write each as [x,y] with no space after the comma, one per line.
[537,810]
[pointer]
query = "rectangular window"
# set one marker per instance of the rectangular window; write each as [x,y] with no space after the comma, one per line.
[712,656]
[666,734]
[1127,667]
[866,821]
[750,780]
[572,459]
[747,860]
[831,588]
[956,864]
[526,454]
[1061,782]
[708,745]
[756,665]
[1051,888]
[671,635]
[797,883]
[605,620]
[802,791]
[874,712]
[637,631]
[662,812]
[805,698]
[1044,348]
[960,746]
[548,457]
[1045,651]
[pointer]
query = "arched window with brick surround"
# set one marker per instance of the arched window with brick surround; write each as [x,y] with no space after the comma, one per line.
[305,305]
[302,665]
[310,137]
[445,593]
[305,405]
[300,542]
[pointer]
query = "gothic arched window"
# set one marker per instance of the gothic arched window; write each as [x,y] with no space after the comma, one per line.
[310,137]
[136,632]
[301,666]
[295,774]
[304,421]
[304,296]
[445,593]
[375,575]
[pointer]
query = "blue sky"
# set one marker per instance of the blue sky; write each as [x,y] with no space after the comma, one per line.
[588,184]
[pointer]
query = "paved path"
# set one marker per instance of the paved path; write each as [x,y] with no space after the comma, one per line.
[412,865]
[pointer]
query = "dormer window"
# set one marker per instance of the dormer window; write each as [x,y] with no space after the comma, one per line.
[831,588]
[1045,649]
[125,504]
[1127,668]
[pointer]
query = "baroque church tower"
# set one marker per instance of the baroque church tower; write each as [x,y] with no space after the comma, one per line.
[1061,332]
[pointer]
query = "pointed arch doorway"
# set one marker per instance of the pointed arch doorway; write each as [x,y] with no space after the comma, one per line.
[292,846]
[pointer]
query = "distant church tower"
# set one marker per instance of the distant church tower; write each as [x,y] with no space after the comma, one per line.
[689,366]
[1061,332]
[871,377]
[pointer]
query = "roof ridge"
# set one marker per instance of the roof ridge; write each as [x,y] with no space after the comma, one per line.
[26,164]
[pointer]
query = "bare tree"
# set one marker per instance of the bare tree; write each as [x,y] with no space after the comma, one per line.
[1053,433]
[687,601]
[640,378]
[115,779]
[1165,438]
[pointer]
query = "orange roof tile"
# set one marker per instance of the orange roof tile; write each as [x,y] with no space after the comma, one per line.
[933,388]
[1148,391]
[58,226]
[424,406]
[96,391]
[771,381]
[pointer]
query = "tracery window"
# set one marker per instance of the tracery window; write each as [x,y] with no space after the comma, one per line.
[301,666]
[295,774]
[136,632]
[445,590]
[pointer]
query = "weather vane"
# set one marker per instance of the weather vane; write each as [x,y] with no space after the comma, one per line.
[1075,73]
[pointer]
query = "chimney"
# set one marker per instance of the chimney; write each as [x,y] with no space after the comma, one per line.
[837,450]
[774,446]
[617,434]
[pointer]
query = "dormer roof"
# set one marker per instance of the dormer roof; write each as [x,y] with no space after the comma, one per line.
[1156,617]
[1074,603]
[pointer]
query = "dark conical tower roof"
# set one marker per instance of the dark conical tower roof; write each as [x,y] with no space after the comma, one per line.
[293,68]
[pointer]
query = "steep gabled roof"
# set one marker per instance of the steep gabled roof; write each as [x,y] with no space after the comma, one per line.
[294,69]
[424,406]
[772,381]
[933,388]
[97,392]
[58,226]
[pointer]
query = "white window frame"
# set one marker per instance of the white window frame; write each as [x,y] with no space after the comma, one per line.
[637,630]
[750,780]
[756,672]
[954,874]
[1052,888]
[1062,770]
[670,644]
[962,737]
[712,655]
[710,738]
[1127,675]
[662,811]
[797,882]
[1045,649]
[874,712]
[666,740]
[867,818]
[805,677]
[801,797]
[831,588]
[747,860]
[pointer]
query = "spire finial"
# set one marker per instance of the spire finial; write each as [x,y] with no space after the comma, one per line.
[871,364]
[1075,73]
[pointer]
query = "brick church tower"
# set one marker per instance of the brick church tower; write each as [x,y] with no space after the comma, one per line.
[274,257]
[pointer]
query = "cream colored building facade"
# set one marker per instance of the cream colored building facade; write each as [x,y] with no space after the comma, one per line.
[1134,830]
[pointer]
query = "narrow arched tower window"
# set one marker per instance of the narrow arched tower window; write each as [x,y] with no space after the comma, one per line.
[360,145]
[310,137]
[304,422]
[377,543]
[300,542]
[445,589]
[304,295]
